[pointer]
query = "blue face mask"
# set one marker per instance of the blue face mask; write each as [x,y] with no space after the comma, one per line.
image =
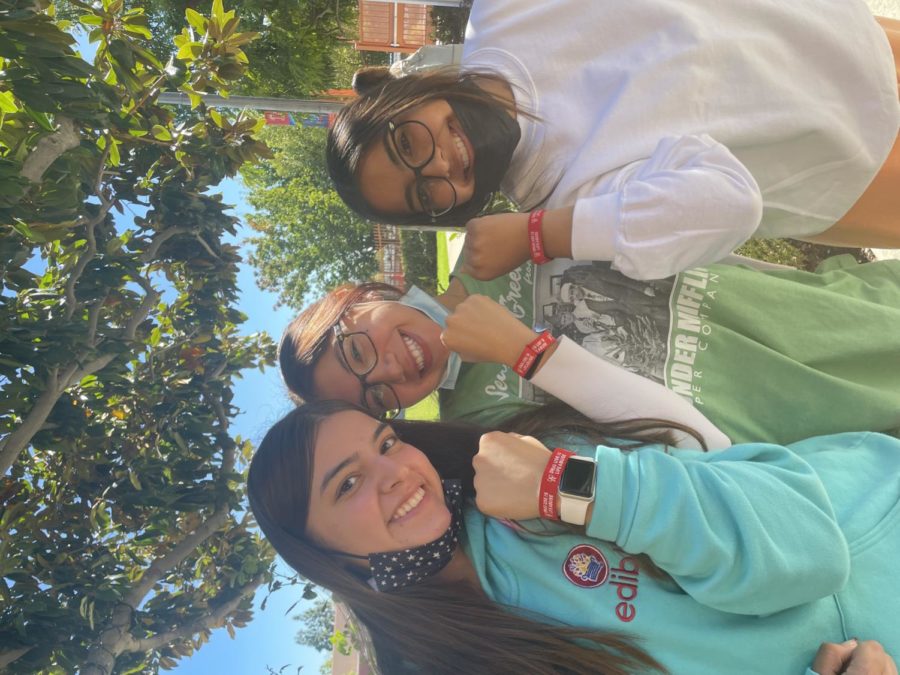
[420,300]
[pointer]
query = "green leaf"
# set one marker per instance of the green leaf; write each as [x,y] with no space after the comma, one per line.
[114,158]
[217,118]
[189,51]
[218,12]
[196,19]
[135,482]
[91,20]
[8,102]
[143,31]
[160,133]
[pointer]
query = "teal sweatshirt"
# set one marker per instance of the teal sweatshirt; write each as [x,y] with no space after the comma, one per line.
[770,551]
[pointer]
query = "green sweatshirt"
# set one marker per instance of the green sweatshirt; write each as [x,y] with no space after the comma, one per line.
[766,356]
[769,552]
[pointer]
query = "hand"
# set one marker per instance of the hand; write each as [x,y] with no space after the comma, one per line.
[482,330]
[508,470]
[495,245]
[852,658]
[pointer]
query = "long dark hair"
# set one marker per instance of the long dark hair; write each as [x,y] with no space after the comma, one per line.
[306,337]
[434,628]
[364,121]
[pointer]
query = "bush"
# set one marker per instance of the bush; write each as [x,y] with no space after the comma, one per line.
[420,259]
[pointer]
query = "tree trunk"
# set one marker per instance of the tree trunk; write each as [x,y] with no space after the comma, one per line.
[49,149]
[113,641]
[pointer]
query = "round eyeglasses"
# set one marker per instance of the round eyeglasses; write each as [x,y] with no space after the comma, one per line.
[357,351]
[414,145]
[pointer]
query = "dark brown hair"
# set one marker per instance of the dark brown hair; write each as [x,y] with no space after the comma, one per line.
[432,627]
[365,121]
[306,337]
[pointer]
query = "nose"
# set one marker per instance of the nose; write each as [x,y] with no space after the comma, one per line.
[439,166]
[393,474]
[388,370]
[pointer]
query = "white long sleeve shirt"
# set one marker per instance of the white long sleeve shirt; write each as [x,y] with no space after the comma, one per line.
[680,129]
[603,391]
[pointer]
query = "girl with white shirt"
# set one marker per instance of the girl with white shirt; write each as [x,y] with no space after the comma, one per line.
[657,135]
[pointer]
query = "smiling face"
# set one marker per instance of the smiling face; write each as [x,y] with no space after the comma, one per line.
[370,492]
[389,185]
[411,357]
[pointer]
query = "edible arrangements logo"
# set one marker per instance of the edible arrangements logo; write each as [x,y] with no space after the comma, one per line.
[586,566]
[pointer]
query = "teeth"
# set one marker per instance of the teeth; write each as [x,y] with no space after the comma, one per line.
[409,504]
[416,351]
[463,153]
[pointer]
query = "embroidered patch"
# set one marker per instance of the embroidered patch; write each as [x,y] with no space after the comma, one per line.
[586,566]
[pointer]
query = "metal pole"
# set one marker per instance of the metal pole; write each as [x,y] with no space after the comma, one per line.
[434,228]
[435,3]
[396,41]
[255,102]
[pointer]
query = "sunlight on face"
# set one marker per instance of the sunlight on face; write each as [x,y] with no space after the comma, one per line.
[388,183]
[371,492]
[408,353]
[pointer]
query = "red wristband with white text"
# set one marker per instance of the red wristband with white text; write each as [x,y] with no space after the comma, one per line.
[531,351]
[536,237]
[550,483]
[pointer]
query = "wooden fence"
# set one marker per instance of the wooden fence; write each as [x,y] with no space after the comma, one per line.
[389,254]
[393,26]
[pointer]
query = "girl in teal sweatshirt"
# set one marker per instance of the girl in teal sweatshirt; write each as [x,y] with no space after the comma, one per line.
[737,561]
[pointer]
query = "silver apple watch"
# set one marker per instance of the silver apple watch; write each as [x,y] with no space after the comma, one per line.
[576,489]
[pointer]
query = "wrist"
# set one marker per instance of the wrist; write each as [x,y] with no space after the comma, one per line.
[548,497]
[577,485]
[523,336]
[528,358]
[536,237]
[557,232]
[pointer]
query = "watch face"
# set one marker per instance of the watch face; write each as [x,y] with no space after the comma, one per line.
[578,478]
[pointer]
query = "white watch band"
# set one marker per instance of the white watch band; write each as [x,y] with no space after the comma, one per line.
[573,510]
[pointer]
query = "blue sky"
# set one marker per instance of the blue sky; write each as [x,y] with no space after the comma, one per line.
[262,399]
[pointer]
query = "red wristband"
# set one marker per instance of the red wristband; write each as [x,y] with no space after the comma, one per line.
[550,483]
[531,351]
[536,237]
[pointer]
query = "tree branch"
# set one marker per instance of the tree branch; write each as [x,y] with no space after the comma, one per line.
[208,249]
[161,239]
[176,556]
[187,631]
[228,454]
[18,440]
[80,266]
[50,148]
[93,320]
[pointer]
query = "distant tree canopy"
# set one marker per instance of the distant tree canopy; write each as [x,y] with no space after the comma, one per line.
[308,239]
[123,537]
[318,625]
[300,50]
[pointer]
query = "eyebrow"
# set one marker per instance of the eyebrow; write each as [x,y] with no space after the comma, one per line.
[327,478]
[408,192]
